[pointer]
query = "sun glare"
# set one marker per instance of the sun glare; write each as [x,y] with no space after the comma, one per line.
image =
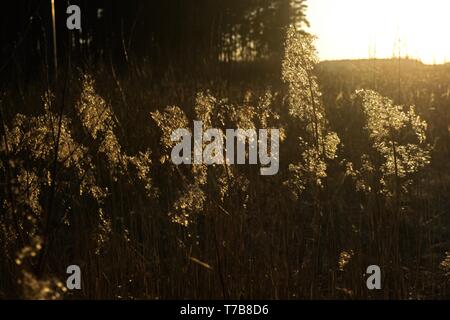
[349,29]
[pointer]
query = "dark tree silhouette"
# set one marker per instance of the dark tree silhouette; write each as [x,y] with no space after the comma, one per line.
[181,32]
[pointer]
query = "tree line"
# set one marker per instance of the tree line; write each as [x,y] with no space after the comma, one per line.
[169,32]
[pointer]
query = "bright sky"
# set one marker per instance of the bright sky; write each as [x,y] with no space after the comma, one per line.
[349,29]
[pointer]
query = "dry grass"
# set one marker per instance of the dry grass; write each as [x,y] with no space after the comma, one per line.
[86,179]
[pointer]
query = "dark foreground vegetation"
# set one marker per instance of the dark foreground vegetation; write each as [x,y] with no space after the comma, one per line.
[86,178]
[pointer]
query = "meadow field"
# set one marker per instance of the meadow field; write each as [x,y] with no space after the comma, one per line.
[87,179]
